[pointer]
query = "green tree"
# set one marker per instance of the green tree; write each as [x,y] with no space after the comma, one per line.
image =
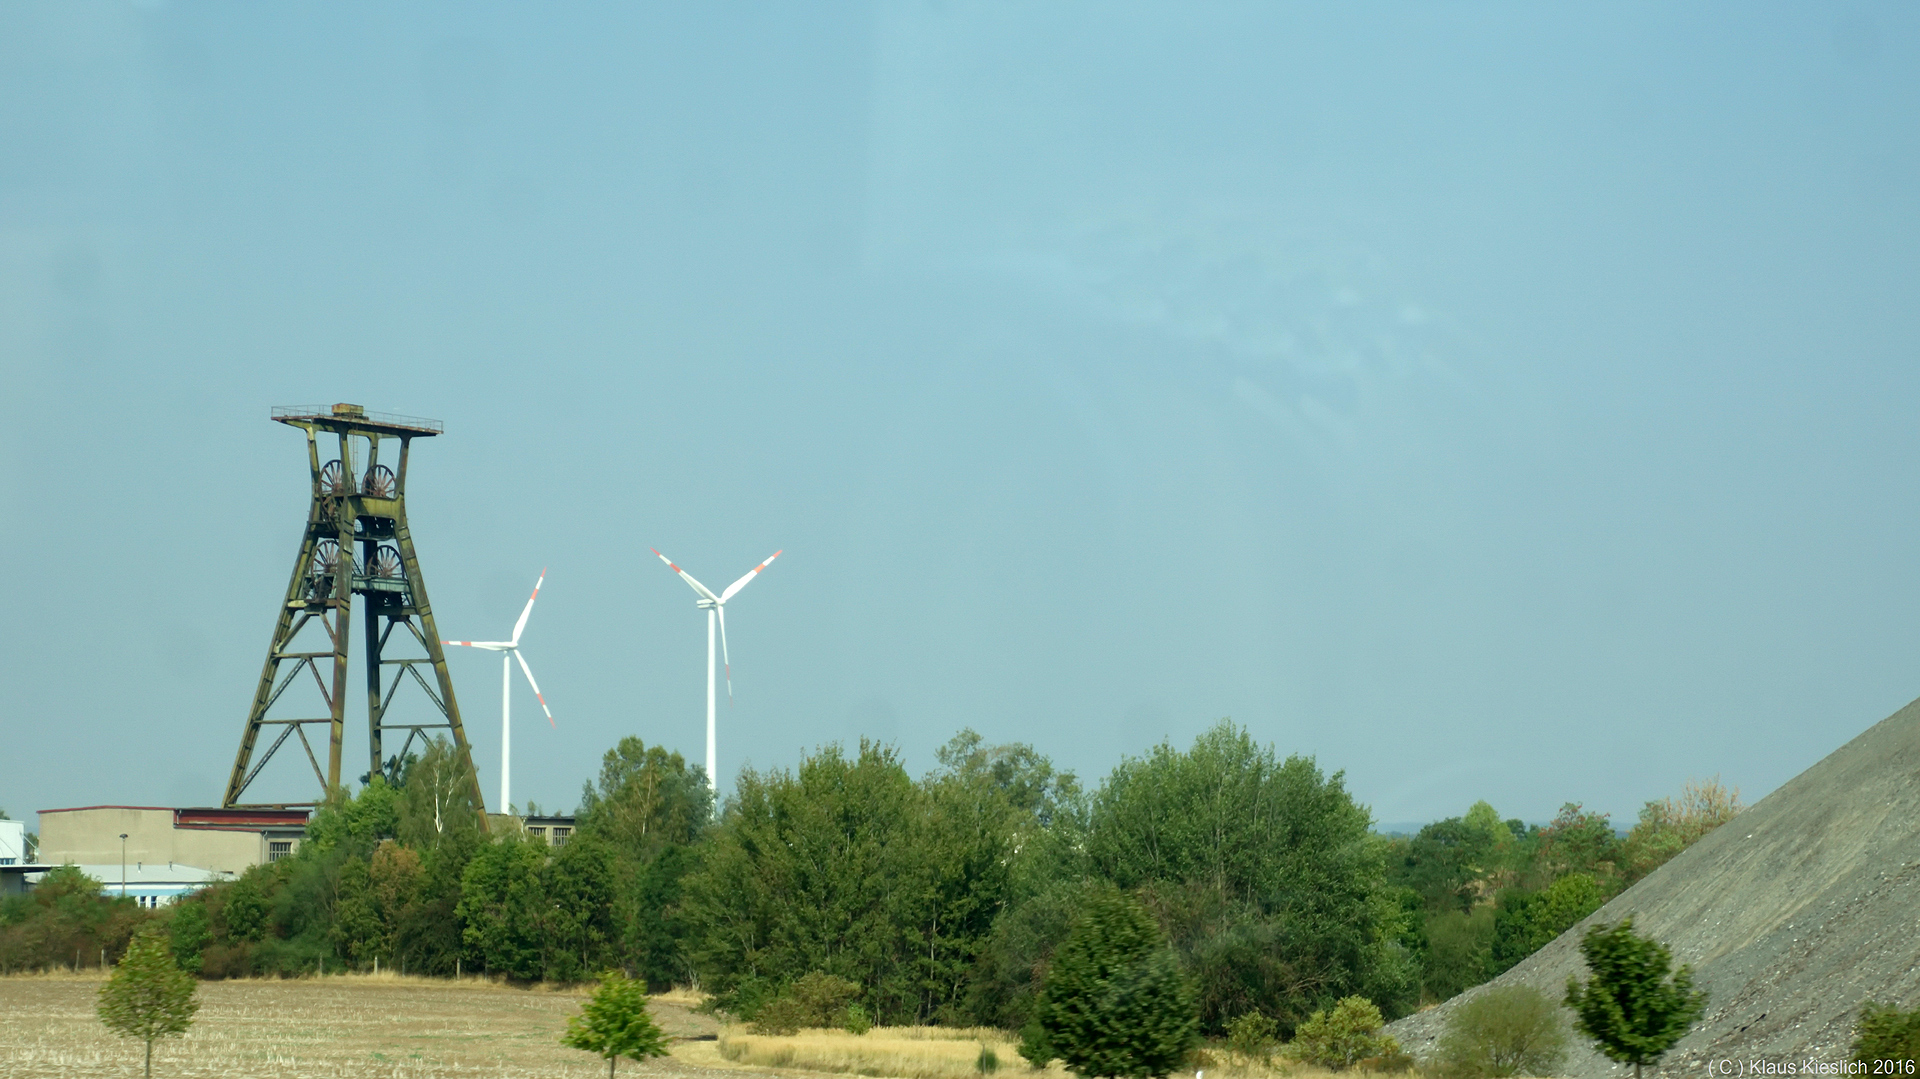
[1504,1031]
[188,926]
[1265,872]
[579,925]
[148,996]
[650,808]
[1579,842]
[1671,825]
[1456,863]
[647,799]
[502,907]
[1635,1006]
[1527,921]
[435,804]
[847,866]
[614,1023]
[1115,1003]
[1458,944]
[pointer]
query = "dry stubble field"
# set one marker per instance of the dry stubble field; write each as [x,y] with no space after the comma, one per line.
[348,1025]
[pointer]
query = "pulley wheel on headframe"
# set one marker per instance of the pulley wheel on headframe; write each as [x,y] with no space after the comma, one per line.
[379,482]
[334,481]
[386,562]
[326,562]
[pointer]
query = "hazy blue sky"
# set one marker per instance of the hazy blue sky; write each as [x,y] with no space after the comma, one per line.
[1508,402]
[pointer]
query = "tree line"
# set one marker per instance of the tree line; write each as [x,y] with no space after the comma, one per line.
[941,898]
[1482,893]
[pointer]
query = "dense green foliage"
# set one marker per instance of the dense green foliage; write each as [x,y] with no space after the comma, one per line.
[1115,1003]
[67,919]
[1634,1006]
[148,996]
[1887,1033]
[1505,1031]
[895,898]
[849,867]
[1264,871]
[614,1023]
[1485,893]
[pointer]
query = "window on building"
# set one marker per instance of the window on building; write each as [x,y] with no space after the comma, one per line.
[278,849]
[537,833]
[6,861]
[560,836]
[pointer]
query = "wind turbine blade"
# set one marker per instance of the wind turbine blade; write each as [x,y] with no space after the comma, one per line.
[522,624]
[727,664]
[685,576]
[536,688]
[491,646]
[742,582]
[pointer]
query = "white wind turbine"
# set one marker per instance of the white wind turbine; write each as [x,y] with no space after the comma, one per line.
[512,650]
[716,608]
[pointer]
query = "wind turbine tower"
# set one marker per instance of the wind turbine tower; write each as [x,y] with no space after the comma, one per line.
[716,608]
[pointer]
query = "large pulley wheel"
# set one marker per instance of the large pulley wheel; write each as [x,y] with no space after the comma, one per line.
[321,570]
[386,562]
[379,482]
[334,481]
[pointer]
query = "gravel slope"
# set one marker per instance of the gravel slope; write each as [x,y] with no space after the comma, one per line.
[1791,915]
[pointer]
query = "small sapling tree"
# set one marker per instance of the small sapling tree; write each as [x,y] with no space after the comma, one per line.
[148,996]
[1114,1002]
[1635,1006]
[614,1023]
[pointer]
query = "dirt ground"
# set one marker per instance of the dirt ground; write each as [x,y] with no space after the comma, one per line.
[337,1026]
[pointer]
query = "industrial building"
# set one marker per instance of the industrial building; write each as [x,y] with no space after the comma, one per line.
[221,842]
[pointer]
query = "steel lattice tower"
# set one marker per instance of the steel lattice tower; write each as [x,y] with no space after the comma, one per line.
[359,505]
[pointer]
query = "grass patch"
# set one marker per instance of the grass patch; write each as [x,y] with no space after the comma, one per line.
[891,1052]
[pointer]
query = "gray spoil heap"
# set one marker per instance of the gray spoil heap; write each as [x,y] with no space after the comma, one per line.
[1792,915]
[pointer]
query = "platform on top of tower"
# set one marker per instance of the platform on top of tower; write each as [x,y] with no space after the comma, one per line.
[354,418]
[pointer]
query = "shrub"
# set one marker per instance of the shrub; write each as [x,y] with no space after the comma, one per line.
[988,1061]
[1507,1030]
[1887,1033]
[1251,1037]
[1034,1047]
[1343,1037]
[858,1021]
[817,999]
[781,1015]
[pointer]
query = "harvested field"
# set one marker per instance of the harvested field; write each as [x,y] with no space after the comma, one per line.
[349,1025]
[1792,915]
